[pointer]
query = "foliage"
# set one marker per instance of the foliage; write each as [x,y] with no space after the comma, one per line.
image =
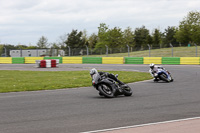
[115,38]
[92,41]
[156,38]
[1,49]
[74,39]
[141,35]
[42,42]
[102,36]
[189,29]
[128,37]
[169,36]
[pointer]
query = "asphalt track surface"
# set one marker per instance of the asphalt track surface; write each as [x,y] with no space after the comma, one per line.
[81,109]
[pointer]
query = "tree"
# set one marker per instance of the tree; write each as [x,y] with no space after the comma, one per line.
[141,35]
[54,45]
[32,47]
[62,41]
[102,36]
[7,48]
[21,46]
[85,37]
[128,37]
[75,40]
[189,29]
[92,40]
[156,38]
[149,39]
[169,36]
[115,38]
[43,42]
[1,49]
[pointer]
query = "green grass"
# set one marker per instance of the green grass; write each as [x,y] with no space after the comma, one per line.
[14,81]
[163,52]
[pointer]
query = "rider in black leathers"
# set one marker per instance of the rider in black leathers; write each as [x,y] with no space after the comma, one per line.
[110,75]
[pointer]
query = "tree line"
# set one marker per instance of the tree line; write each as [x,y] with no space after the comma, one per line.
[188,32]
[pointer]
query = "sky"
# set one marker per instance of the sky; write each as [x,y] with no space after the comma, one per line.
[26,21]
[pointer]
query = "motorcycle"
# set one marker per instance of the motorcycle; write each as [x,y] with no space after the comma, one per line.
[107,87]
[164,75]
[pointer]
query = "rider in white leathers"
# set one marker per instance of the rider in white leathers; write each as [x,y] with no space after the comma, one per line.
[153,70]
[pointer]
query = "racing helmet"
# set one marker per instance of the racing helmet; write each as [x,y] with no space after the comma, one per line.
[151,65]
[93,71]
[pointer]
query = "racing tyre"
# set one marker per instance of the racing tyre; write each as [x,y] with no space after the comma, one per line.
[127,91]
[164,77]
[106,91]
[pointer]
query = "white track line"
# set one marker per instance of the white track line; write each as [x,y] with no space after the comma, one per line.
[134,126]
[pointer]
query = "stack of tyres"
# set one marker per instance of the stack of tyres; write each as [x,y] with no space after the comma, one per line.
[53,63]
[48,63]
[43,63]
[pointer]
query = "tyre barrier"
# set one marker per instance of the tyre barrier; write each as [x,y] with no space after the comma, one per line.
[47,63]
[6,60]
[105,60]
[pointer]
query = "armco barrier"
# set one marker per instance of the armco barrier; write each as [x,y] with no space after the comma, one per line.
[171,60]
[6,60]
[92,60]
[31,60]
[112,60]
[72,60]
[133,60]
[60,58]
[155,60]
[189,60]
[18,60]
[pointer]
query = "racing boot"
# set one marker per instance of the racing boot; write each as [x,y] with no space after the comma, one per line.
[121,84]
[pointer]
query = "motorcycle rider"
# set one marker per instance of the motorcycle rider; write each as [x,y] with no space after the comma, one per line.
[153,70]
[110,75]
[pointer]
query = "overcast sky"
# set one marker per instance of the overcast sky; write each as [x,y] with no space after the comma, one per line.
[25,21]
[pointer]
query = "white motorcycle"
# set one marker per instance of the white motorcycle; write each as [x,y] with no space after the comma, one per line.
[162,74]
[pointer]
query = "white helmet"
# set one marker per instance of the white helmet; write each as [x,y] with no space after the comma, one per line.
[93,71]
[151,65]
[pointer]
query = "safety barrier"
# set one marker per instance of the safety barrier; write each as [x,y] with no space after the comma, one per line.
[31,60]
[105,60]
[133,60]
[155,60]
[6,60]
[112,60]
[92,60]
[171,60]
[72,60]
[60,58]
[190,60]
[18,60]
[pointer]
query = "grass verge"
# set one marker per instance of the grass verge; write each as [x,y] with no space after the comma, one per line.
[15,81]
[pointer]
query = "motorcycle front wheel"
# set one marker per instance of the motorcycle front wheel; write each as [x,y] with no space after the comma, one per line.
[127,91]
[106,90]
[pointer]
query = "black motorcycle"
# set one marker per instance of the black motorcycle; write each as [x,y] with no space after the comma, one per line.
[107,87]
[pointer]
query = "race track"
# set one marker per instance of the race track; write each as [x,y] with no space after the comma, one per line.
[81,109]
